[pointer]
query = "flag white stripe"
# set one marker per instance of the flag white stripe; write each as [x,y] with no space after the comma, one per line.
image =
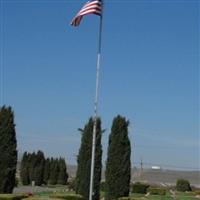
[90,11]
[89,7]
[91,3]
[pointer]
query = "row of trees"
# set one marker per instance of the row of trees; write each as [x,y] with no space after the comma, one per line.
[53,171]
[35,167]
[118,165]
[8,150]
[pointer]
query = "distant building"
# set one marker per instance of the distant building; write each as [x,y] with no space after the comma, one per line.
[156,167]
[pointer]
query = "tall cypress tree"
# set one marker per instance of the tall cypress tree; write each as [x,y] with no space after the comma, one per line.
[8,151]
[62,175]
[54,170]
[24,169]
[46,171]
[118,166]
[84,161]
[31,166]
[38,171]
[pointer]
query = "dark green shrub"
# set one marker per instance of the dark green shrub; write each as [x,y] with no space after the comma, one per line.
[72,184]
[12,196]
[156,191]
[183,185]
[103,186]
[140,188]
[67,196]
[16,181]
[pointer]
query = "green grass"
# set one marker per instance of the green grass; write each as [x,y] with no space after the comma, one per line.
[180,196]
[151,197]
[185,196]
[12,196]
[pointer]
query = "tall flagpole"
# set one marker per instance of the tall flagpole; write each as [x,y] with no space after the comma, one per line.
[96,106]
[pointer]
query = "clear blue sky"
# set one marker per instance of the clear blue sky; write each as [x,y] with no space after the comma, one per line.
[149,74]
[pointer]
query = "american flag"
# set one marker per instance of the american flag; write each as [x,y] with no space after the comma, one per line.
[91,7]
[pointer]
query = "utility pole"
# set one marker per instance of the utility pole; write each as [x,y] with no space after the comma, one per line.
[141,170]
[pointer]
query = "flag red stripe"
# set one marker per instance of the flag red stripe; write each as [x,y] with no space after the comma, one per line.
[92,3]
[97,7]
[90,11]
[91,7]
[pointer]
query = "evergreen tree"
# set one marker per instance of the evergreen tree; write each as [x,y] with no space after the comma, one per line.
[84,161]
[38,171]
[34,167]
[54,170]
[118,166]
[24,170]
[31,166]
[62,175]
[46,171]
[8,151]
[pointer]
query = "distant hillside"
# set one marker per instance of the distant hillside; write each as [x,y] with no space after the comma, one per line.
[166,176]
[155,176]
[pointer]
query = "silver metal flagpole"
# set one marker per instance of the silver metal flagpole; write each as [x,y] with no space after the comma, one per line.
[96,107]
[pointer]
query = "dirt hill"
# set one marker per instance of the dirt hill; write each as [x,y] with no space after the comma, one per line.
[160,176]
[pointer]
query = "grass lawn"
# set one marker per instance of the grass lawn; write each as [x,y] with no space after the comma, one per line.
[151,197]
[180,196]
